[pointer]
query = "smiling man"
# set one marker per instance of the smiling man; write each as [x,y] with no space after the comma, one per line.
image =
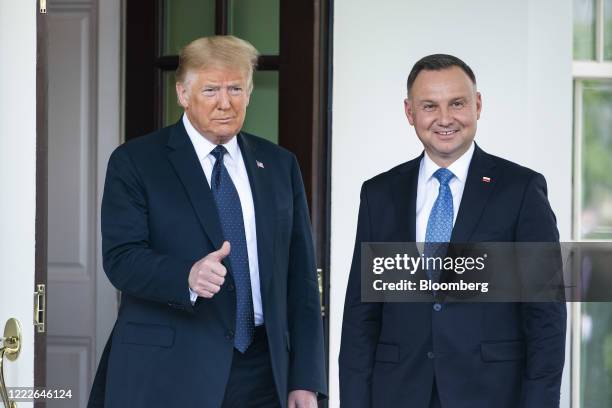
[206,234]
[444,106]
[451,355]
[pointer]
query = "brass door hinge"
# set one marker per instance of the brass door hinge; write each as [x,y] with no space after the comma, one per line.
[40,308]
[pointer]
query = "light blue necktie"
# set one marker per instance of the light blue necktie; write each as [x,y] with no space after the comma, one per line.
[232,224]
[440,222]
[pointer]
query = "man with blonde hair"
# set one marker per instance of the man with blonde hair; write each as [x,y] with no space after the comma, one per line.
[206,233]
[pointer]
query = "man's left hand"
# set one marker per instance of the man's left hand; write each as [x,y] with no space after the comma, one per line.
[302,399]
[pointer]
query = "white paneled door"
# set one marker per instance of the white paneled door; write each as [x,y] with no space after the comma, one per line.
[83,55]
[72,199]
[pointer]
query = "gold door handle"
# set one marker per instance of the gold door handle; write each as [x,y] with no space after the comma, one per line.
[9,347]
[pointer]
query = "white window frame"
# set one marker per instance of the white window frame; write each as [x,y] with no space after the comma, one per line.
[583,70]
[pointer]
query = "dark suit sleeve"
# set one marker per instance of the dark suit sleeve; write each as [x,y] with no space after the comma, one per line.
[307,355]
[360,326]
[544,323]
[130,263]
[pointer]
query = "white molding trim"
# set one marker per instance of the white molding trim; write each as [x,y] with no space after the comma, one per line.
[577,185]
[575,325]
[575,346]
[591,70]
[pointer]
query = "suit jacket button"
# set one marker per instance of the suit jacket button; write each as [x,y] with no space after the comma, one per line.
[230,287]
[437,307]
[430,355]
[229,335]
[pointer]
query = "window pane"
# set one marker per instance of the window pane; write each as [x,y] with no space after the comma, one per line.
[256,22]
[596,355]
[596,160]
[172,110]
[584,29]
[262,113]
[608,29]
[186,20]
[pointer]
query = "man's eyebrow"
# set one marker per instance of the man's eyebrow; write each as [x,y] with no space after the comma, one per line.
[216,85]
[427,101]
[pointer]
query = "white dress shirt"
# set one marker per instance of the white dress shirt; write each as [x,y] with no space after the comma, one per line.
[234,163]
[428,185]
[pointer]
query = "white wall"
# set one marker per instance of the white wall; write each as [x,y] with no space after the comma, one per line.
[18,178]
[521,53]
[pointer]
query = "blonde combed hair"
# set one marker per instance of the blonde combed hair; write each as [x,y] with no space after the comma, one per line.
[224,51]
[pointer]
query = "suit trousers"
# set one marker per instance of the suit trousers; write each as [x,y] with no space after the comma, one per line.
[251,383]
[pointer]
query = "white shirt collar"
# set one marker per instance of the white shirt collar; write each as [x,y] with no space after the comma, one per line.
[203,146]
[459,167]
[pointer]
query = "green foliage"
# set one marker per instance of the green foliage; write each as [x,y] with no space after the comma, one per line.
[596,356]
[597,154]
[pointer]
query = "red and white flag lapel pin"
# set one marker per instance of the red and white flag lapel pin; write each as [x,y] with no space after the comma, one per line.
[259,164]
[486,179]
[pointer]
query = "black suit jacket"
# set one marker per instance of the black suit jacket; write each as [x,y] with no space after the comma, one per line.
[482,355]
[158,218]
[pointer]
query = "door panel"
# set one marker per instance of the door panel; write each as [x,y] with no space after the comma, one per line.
[18,134]
[262,113]
[257,22]
[185,20]
[71,289]
[172,110]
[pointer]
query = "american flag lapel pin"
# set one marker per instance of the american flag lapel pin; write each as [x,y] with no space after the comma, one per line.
[259,164]
[486,179]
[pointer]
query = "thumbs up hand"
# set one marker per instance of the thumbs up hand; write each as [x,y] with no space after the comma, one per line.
[208,274]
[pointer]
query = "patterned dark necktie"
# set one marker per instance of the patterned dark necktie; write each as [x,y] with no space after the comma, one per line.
[232,224]
[440,222]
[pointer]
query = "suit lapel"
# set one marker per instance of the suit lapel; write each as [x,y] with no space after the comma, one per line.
[185,161]
[481,179]
[404,199]
[265,210]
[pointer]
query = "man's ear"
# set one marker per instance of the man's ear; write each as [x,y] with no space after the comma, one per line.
[182,94]
[478,104]
[248,99]
[249,93]
[408,108]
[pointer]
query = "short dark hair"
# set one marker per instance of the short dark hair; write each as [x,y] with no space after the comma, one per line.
[437,62]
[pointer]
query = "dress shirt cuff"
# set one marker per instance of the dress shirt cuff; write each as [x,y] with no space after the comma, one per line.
[192,296]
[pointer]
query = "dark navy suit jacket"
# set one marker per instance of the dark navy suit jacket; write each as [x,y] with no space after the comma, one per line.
[158,218]
[483,355]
